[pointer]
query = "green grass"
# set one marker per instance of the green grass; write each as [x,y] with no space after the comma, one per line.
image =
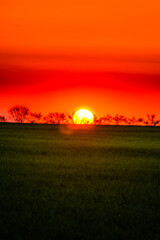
[97,182]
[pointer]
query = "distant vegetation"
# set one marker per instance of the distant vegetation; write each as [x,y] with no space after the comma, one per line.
[2,119]
[22,114]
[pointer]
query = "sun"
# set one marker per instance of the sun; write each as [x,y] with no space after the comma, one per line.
[83,116]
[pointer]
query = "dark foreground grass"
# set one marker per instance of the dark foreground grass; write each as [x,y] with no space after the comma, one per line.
[97,182]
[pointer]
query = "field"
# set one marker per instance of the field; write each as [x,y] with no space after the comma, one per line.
[96,182]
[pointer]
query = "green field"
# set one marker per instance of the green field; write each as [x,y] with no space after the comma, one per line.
[96,182]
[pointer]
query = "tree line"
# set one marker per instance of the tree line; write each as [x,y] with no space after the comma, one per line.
[22,114]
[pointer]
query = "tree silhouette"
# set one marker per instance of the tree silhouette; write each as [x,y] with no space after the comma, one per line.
[119,119]
[140,121]
[152,120]
[69,118]
[61,118]
[35,117]
[2,119]
[19,113]
[106,120]
[55,118]
[133,121]
[95,121]
[50,118]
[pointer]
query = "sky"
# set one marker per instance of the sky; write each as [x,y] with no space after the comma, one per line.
[65,55]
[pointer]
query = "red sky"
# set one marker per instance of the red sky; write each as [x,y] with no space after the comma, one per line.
[64,55]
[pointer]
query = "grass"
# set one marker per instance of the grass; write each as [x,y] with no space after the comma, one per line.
[95,182]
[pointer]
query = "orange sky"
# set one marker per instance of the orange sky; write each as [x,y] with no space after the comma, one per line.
[62,55]
[69,26]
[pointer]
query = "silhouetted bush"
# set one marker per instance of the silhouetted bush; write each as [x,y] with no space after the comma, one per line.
[2,119]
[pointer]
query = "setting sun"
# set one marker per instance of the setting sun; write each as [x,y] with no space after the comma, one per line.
[83,116]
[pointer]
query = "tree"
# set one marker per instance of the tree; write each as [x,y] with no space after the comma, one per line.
[2,119]
[50,118]
[131,121]
[156,122]
[105,120]
[61,118]
[19,113]
[69,118]
[95,121]
[35,117]
[119,119]
[152,120]
[55,118]
[140,121]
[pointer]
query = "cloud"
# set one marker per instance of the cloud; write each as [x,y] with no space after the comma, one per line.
[45,73]
[51,80]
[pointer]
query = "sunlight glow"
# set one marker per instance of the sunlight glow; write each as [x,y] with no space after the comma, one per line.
[83,116]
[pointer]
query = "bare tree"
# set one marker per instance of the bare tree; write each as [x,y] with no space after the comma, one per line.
[61,118]
[50,118]
[152,120]
[95,121]
[119,119]
[156,122]
[131,121]
[140,121]
[55,118]
[19,113]
[69,118]
[106,120]
[35,117]
[2,119]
